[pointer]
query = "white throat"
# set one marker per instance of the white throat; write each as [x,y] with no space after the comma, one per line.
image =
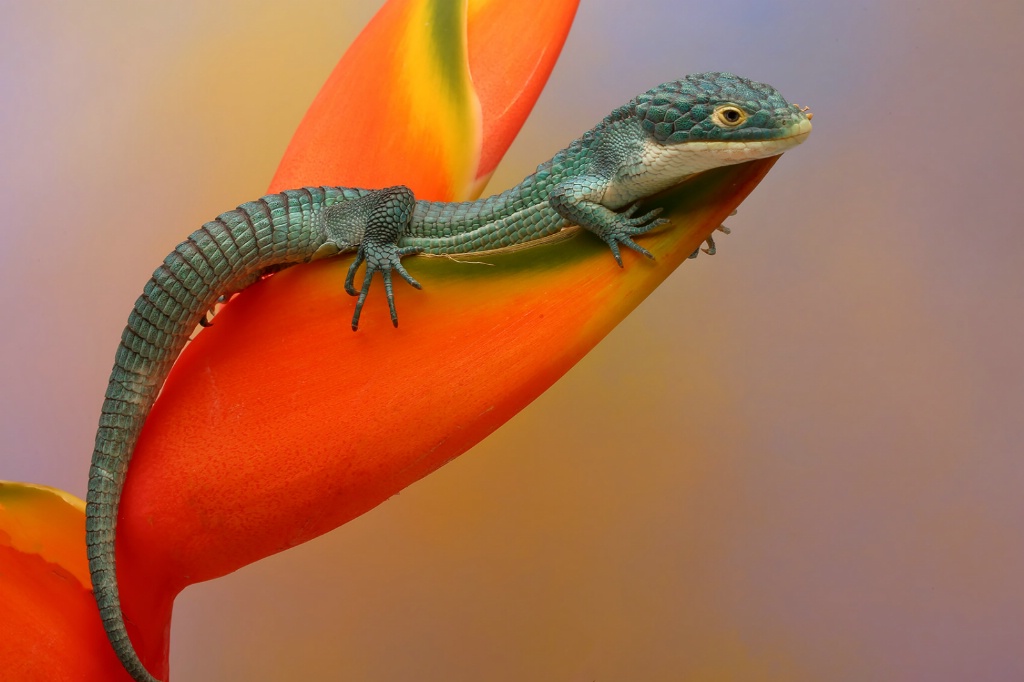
[662,166]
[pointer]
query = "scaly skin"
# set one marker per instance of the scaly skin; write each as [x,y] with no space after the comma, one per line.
[654,141]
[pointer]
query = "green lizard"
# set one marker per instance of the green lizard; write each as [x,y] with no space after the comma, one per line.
[654,141]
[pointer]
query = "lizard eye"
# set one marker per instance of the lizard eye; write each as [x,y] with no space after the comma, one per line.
[729,116]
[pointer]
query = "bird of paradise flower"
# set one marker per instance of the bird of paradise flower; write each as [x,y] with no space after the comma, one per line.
[236,464]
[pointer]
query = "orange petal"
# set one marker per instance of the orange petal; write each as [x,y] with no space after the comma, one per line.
[49,626]
[397,109]
[432,109]
[275,428]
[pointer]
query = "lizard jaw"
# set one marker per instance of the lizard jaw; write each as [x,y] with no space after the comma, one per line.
[661,166]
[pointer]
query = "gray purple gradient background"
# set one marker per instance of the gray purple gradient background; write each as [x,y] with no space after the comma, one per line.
[798,460]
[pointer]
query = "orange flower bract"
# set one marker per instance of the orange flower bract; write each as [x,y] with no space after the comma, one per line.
[49,626]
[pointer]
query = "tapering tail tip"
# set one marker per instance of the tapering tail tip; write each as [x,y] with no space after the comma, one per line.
[99,539]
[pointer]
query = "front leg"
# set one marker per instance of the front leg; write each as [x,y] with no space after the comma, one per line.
[373,224]
[578,200]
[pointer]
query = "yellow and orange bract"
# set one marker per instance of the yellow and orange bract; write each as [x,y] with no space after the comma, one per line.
[430,95]
[49,626]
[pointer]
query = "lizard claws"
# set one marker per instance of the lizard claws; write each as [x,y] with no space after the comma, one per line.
[383,258]
[627,227]
[711,250]
[624,239]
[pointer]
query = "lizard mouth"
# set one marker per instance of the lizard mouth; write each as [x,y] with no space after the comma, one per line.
[738,151]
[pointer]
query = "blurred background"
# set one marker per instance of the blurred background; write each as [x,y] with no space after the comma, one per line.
[811,467]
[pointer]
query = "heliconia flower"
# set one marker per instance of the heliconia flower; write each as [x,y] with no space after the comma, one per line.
[279,423]
[49,626]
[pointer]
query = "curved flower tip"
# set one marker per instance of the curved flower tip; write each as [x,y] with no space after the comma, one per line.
[496,33]
[430,95]
[49,626]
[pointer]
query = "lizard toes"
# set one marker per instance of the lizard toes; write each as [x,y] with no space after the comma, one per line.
[626,241]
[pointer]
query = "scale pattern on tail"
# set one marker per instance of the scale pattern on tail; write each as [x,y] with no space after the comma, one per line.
[225,255]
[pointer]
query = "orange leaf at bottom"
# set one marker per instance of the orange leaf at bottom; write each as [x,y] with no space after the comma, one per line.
[279,423]
[49,626]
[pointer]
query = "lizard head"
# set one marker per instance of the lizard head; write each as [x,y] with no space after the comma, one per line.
[725,117]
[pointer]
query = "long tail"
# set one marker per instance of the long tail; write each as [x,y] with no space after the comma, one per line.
[226,254]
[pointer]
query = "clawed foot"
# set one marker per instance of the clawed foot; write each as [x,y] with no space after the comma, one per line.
[207,319]
[710,241]
[626,227]
[711,250]
[381,258]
